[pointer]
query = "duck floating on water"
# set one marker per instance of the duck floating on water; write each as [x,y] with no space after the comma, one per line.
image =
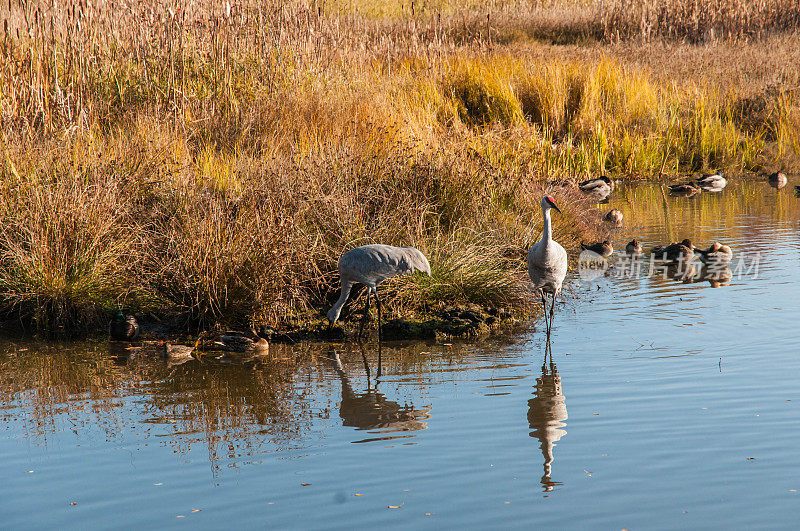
[714,182]
[777,180]
[715,254]
[239,342]
[123,327]
[599,188]
[614,216]
[685,190]
[603,248]
[177,352]
[634,247]
[681,251]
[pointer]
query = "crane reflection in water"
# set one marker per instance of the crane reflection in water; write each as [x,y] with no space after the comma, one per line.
[547,412]
[371,410]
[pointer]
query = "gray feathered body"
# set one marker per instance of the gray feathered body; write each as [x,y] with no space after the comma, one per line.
[547,262]
[372,264]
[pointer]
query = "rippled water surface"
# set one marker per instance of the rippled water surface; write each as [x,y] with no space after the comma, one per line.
[669,404]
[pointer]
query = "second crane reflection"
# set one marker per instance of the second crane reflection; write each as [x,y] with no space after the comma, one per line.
[547,412]
[371,410]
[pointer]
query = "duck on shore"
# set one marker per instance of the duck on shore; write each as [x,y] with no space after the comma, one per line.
[716,254]
[685,190]
[634,247]
[613,216]
[674,252]
[714,182]
[123,327]
[603,248]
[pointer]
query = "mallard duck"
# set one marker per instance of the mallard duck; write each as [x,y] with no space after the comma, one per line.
[177,352]
[239,342]
[603,248]
[634,247]
[712,182]
[123,327]
[614,216]
[715,254]
[675,251]
[600,188]
[686,190]
[777,179]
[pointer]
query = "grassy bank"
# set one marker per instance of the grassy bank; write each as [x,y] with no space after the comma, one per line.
[210,166]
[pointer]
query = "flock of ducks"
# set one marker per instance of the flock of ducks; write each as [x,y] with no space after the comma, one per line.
[713,182]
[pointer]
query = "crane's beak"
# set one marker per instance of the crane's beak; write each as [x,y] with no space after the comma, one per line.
[555,207]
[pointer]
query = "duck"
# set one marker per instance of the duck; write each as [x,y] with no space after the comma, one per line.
[614,216]
[603,248]
[177,352]
[777,179]
[239,342]
[674,252]
[686,190]
[599,188]
[634,247]
[712,182]
[123,327]
[716,254]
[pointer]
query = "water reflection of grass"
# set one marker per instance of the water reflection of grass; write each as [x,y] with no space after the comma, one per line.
[231,408]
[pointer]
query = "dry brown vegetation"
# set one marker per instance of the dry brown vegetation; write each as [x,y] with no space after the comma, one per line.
[212,163]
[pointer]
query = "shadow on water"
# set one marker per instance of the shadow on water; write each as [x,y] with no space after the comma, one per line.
[371,410]
[547,411]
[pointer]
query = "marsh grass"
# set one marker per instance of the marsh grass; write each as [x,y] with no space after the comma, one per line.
[211,165]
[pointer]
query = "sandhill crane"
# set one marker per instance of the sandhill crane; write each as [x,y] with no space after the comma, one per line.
[777,180]
[547,262]
[613,216]
[682,251]
[634,247]
[714,182]
[123,327]
[599,188]
[370,265]
[716,254]
[685,190]
[603,248]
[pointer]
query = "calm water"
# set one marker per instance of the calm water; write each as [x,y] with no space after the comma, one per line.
[668,405]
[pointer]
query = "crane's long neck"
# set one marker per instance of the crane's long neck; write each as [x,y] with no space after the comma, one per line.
[547,229]
[333,313]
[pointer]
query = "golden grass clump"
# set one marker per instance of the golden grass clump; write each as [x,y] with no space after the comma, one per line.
[211,163]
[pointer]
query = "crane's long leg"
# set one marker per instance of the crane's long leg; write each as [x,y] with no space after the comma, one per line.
[378,374]
[544,313]
[366,316]
[552,308]
[378,304]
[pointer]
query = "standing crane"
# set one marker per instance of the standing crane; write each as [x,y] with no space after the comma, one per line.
[547,263]
[370,265]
